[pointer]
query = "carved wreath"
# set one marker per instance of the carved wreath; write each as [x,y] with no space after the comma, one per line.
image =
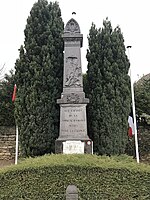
[73,98]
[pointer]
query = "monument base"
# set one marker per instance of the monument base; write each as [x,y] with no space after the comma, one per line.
[74,146]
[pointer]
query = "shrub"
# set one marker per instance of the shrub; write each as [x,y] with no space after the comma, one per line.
[96,177]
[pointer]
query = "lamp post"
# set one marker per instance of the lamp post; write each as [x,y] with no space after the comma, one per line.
[133,108]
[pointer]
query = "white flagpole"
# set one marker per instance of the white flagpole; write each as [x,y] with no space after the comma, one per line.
[16,153]
[133,108]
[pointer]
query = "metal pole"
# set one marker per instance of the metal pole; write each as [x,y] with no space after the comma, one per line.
[133,108]
[16,154]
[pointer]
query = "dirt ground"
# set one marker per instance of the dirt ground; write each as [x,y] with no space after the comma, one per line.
[4,163]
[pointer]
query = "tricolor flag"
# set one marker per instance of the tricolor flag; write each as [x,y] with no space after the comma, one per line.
[14,93]
[131,131]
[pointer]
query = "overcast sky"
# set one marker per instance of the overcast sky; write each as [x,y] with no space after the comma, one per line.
[131,15]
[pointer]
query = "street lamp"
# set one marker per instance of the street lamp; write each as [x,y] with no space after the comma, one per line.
[133,108]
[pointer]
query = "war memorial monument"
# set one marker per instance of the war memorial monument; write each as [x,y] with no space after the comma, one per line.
[73,136]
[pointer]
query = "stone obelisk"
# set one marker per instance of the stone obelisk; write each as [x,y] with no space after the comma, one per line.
[73,136]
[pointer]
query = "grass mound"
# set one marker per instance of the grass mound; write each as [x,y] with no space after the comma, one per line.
[96,177]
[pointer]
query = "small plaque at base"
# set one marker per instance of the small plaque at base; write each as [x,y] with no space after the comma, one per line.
[73,147]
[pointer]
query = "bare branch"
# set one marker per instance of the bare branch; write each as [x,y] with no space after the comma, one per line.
[2,72]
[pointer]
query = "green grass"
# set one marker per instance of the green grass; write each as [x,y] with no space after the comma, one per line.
[115,162]
[96,177]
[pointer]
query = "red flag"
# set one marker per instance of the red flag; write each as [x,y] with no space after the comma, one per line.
[14,93]
[130,132]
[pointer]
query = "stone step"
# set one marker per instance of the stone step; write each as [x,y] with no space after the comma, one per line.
[7,142]
[6,154]
[7,147]
[6,135]
[7,150]
[7,138]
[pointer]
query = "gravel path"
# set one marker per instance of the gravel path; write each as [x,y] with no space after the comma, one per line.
[4,163]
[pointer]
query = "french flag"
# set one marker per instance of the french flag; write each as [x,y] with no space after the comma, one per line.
[14,93]
[131,131]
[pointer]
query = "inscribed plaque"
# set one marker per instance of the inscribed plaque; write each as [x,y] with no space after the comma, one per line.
[73,147]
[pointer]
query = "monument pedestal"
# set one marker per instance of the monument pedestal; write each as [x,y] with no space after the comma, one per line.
[73,136]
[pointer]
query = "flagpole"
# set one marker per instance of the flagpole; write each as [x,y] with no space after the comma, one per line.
[133,108]
[16,153]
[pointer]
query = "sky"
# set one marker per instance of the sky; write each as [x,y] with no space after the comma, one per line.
[131,15]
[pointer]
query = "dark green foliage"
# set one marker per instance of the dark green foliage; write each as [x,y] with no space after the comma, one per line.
[142,105]
[49,181]
[143,144]
[84,82]
[6,104]
[142,98]
[39,79]
[108,89]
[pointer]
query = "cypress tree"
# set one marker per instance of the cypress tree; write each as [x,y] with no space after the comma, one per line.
[108,89]
[39,79]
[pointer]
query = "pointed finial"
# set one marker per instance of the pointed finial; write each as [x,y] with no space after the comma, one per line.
[73,13]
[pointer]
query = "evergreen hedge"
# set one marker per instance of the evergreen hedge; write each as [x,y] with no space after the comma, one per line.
[96,177]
